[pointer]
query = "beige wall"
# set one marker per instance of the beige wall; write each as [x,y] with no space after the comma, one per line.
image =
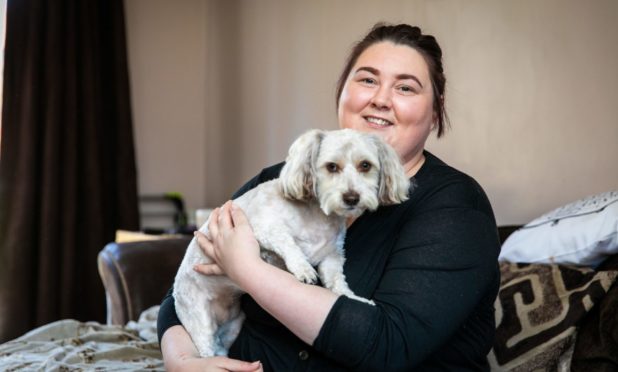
[167,41]
[221,88]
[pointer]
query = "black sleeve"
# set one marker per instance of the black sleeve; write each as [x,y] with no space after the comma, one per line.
[167,317]
[443,264]
[167,312]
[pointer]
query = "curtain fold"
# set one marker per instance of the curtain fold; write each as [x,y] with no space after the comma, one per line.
[67,165]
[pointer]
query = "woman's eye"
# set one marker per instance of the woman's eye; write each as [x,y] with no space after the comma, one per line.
[332,167]
[364,166]
[368,81]
[406,89]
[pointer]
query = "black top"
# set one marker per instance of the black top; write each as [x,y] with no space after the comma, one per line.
[430,265]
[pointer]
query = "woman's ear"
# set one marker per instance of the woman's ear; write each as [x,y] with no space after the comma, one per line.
[297,175]
[394,184]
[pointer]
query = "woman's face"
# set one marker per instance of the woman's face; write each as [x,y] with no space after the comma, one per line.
[389,93]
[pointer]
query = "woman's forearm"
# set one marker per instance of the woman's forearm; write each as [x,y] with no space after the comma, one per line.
[176,345]
[179,354]
[302,308]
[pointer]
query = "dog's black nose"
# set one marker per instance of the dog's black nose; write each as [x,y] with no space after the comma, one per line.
[351,198]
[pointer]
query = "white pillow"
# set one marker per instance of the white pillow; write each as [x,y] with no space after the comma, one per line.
[584,232]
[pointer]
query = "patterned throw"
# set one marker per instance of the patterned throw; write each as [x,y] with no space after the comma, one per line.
[69,345]
[537,311]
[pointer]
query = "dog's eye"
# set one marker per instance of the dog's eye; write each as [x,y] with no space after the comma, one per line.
[364,166]
[332,167]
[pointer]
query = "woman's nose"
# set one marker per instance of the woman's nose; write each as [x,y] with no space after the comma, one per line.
[381,99]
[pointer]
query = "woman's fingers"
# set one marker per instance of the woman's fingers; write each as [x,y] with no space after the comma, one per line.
[205,244]
[213,223]
[208,248]
[238,216]
[225,219]
[238,365]
[208,269]
[220,220]
[230,243]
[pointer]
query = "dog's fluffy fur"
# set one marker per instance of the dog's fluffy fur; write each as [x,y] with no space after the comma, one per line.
[328,177]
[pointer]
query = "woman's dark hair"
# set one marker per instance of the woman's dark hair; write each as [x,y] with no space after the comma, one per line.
[411,36]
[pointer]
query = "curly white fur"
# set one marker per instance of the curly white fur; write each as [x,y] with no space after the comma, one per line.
[328,177]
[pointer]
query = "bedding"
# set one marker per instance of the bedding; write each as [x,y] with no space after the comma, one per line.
[69,345]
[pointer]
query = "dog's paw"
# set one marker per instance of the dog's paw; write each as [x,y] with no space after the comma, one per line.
[303,271]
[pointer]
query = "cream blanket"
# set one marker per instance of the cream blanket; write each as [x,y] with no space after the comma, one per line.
[69,345]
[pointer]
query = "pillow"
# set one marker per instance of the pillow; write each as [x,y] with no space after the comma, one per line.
[581,233]
[537,310]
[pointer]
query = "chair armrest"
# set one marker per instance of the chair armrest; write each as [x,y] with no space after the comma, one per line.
[137,275]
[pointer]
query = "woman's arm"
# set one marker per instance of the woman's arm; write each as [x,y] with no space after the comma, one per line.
[302,308]
[179,354]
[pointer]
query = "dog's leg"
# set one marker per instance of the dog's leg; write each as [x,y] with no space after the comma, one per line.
[280,242]
[201,325]
[331,274]
[192,303]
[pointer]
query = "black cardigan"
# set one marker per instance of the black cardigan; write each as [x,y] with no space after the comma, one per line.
[430,265]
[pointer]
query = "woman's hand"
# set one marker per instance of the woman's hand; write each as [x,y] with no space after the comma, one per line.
[230,243]
[216,364]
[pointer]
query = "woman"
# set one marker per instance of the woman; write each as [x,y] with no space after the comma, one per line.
[430,264]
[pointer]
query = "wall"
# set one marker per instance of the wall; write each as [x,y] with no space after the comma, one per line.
[221,88]
[167,59]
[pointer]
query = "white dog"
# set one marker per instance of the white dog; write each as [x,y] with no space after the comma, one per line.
[328,177]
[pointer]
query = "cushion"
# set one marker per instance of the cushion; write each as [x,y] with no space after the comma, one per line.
[584,232]
[537,310]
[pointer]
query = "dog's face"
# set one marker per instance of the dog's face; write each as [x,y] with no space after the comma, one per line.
[346,171]
[347,174]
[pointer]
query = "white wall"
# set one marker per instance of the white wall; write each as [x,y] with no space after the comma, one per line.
[221,88]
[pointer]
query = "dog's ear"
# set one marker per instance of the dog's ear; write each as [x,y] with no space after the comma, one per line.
[298,172]
[394,184]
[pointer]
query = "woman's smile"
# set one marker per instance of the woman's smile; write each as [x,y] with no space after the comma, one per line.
[377,122]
